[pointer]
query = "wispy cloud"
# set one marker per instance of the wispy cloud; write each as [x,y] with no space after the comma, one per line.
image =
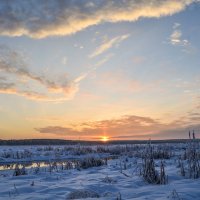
[107,44]
[40,19]
[93,68]
[64,60]
[176,36]
[15,72]
[17,78]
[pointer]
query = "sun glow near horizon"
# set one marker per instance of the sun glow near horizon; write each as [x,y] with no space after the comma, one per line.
[104,138]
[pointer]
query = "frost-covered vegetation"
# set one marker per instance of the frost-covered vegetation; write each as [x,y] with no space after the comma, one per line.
[126,171]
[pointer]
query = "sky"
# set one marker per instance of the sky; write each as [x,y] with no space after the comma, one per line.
[88,70]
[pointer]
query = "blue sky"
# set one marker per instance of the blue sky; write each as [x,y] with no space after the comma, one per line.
[120,69]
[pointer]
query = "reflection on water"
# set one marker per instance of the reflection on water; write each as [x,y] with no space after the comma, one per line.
[67,164]
[27,165]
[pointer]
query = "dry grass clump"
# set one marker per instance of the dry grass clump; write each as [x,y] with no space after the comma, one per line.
[16,155]
[109,180]
[156,151]
[19,171]
[149,171]
[92,162]
[189,162]
[82,194]
[151,175]
[174,195]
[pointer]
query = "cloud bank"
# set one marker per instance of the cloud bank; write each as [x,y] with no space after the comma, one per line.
[127,127]
[41,18]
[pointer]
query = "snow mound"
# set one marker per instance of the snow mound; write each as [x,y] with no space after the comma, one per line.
[82,194]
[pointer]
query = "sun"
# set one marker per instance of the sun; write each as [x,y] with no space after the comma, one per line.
[104,138]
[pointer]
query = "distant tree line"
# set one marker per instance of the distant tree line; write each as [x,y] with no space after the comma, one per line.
[74,142]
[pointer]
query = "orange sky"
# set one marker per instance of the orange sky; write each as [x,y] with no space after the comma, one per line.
[126,70]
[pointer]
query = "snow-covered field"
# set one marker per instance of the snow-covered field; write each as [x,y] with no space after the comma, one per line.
[100,172]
